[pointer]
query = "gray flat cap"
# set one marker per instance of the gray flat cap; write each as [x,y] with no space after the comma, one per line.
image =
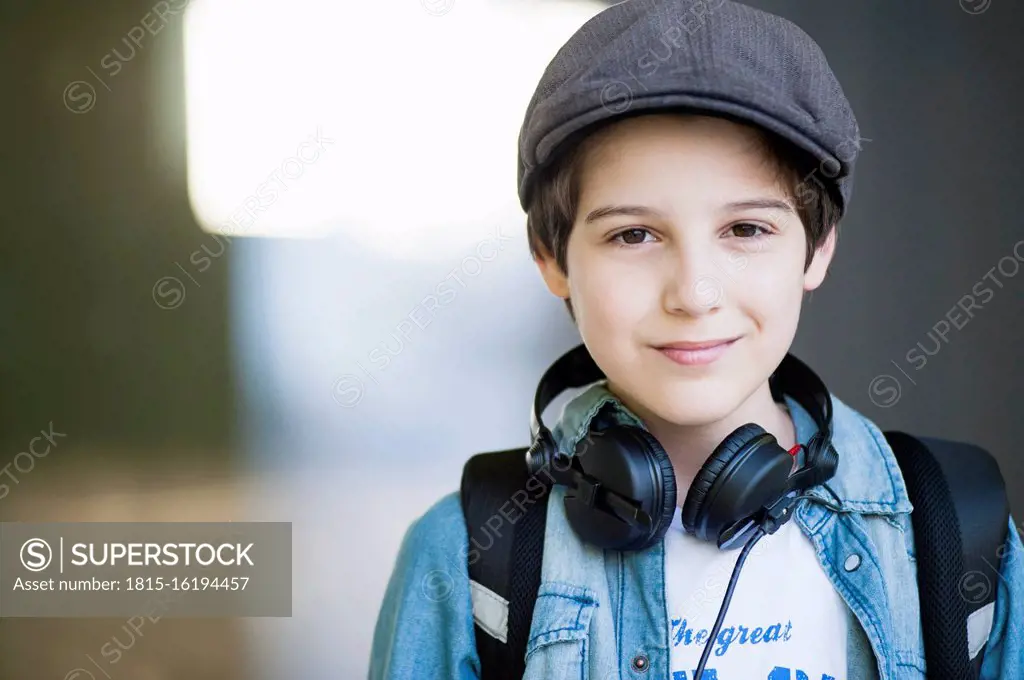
[718,57]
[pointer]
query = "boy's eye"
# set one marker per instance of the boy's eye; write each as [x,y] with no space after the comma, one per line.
[748,230]
[631,237]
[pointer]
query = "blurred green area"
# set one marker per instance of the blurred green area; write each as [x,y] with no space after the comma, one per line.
[95,212]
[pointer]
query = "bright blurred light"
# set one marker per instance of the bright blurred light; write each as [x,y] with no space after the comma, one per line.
[423,102]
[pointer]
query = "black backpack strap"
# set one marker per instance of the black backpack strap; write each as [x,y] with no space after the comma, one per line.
[960,522]
[506,513]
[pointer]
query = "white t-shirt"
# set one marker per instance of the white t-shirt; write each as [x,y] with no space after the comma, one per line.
[785,620]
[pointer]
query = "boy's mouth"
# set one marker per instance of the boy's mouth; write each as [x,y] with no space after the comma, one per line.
[697,352]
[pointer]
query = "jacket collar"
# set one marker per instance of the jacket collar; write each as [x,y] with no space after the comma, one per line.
[868,479]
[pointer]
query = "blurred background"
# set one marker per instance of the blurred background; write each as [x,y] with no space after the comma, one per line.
[223,221]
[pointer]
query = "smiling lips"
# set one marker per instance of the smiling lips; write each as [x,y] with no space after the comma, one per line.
[697,353]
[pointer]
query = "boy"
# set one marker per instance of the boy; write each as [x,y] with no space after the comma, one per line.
[684,166]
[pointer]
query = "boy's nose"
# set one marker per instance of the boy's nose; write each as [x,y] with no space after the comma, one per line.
[693,285]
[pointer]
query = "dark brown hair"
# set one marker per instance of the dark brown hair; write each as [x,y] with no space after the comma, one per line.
[554,199]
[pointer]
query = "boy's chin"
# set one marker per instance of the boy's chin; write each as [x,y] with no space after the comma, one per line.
[698,416]
[694,408]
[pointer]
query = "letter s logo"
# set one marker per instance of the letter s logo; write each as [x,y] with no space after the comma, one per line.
[36,554]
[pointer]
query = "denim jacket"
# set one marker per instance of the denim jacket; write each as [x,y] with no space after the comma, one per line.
[597,612]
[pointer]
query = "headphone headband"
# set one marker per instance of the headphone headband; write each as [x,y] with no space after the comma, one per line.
[572,370]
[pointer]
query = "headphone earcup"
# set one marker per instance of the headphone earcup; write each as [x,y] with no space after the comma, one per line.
[695,506]
[824,461]
[630,463]
[669,496]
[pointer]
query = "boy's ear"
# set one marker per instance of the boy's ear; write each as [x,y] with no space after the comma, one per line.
[555,279]
[815,273]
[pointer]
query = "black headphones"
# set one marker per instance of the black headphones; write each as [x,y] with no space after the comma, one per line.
[622,488]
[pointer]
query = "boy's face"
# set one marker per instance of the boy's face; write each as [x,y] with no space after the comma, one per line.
[710,248]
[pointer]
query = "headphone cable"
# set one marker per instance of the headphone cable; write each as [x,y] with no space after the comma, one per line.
[759,533]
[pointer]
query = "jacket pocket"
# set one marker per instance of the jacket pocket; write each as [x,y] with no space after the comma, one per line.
[560,632]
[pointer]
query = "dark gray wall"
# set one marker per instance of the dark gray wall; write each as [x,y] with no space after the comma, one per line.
[938,91]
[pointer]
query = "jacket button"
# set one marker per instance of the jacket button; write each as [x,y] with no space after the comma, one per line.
[852,562]
[640,663]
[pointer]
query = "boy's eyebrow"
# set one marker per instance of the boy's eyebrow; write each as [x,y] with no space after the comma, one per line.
[761,203]
[630,210]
